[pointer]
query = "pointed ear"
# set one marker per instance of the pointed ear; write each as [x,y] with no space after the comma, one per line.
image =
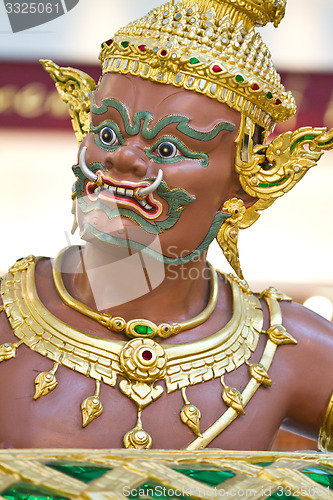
[74,87]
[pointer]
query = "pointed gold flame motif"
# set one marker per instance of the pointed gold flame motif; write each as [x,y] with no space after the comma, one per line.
[92,407]
[45,382]
[233,398]
[279,335]
[259,373]
[8,350]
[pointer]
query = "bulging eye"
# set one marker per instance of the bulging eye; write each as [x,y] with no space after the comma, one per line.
[166,150]
[108,136]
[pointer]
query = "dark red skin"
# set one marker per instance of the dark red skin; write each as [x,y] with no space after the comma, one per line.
[301,374]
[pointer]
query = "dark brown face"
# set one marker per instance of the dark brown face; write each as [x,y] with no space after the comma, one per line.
[140,127]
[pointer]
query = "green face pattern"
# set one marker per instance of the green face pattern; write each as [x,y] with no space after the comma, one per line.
[176,198]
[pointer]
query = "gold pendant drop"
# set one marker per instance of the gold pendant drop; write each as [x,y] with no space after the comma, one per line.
[91,407]
[46,382]
[8,350]
[190,415]
[137,437]
[233,398]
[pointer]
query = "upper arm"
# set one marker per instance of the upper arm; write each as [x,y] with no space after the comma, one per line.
[310,369]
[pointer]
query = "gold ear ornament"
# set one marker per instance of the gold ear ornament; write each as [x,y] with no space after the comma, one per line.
[74,87]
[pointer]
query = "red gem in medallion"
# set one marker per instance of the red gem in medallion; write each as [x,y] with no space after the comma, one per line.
[142,48]
[255,86]
[163,52]
[147,355]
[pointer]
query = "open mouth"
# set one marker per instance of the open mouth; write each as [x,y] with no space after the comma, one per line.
[124,194]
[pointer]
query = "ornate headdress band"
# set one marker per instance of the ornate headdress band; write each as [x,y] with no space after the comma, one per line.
[210,47]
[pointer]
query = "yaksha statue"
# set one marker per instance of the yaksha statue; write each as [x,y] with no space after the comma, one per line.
[135,340]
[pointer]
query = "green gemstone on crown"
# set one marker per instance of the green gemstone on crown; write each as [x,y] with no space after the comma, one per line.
[125,44]
[143,330]
[239,78]
[194,60]
[269,95]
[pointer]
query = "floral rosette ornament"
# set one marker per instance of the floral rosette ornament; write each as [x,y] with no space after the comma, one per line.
[143,361]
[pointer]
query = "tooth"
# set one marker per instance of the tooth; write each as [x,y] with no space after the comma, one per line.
[121,191]
[111,188]
[148,207]
[142,203]
[129,192]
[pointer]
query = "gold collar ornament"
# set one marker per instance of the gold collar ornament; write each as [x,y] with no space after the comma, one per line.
[135,327]
[142,362]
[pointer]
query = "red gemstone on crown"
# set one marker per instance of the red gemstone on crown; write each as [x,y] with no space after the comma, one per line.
[216,69]
[163,52]
[109,42]
[142,48]
[147,355]
[255,86]
[278,101]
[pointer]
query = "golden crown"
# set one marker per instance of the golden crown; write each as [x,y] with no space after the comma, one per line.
[211,47]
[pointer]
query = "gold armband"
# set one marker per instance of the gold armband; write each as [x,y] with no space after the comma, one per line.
[325,440]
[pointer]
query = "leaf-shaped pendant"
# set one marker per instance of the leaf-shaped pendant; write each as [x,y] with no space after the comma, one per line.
[259,373]
[191,415]
[8,350]
[233,398]
[45,382]
[91,408]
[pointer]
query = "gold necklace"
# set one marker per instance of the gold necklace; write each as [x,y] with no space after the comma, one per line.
[142,362]
[135,328]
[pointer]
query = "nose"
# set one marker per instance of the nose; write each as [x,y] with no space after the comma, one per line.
[127,160]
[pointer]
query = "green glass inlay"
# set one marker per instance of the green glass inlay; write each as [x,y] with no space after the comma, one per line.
[321,475]
[305,138]
[143,330]
[269,95]
[26,491]
[83,471]
[125,44]
[154,490]
[272,184]
[325,143]
[263,464]
[205,473]
[239,78]
[194,60]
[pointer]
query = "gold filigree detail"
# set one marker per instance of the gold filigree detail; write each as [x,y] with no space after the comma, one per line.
[275,294]
[272,170]
[22,264]
[227,237]
[209,47]
[73,86]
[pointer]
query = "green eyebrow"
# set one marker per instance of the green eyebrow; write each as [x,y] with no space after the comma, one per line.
[134,129]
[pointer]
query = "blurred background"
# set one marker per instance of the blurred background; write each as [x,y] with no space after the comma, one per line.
[291,246]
